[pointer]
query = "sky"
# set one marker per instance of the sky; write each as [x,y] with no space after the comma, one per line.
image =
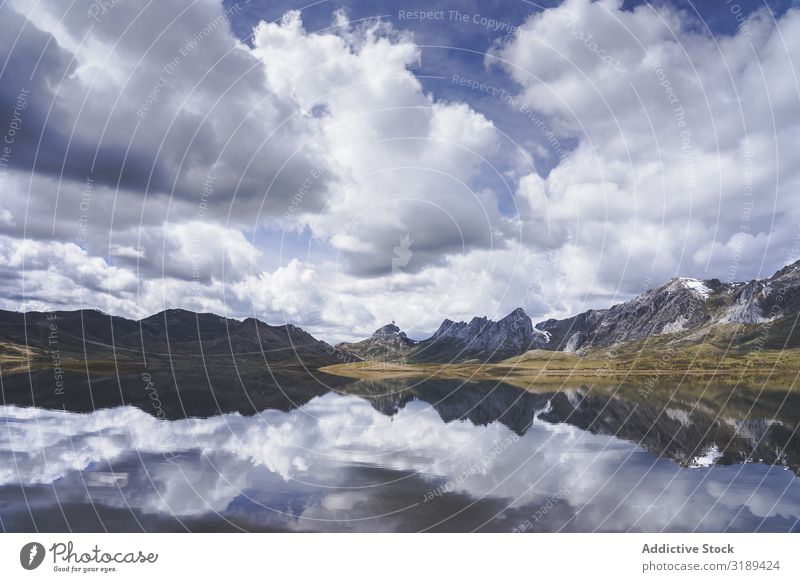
[342,164]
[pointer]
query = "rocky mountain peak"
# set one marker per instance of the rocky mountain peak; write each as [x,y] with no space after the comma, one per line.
[517,313]
[388,342]
[391,334]
[387,331]
[513,332]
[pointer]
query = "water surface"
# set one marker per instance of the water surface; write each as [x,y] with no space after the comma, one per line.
[402,456]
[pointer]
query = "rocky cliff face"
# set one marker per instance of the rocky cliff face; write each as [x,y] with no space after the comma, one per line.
[680,305]
[514,332]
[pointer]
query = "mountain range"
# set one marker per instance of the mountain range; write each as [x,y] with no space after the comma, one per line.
[759,314]
[480,339]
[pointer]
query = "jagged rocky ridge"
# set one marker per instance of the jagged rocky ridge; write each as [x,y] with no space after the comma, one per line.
[481,339]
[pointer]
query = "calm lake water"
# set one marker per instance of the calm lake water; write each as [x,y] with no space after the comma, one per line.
[399,456]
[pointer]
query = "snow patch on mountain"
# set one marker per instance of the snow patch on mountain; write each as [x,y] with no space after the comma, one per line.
[696,285]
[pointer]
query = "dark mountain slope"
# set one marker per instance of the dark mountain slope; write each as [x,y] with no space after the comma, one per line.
[175,334]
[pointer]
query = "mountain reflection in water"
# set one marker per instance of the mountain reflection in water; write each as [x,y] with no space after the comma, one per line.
[268,453]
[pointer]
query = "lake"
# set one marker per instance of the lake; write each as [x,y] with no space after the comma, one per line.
[267,453]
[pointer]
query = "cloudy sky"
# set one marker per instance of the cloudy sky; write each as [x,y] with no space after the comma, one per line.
[344,163]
